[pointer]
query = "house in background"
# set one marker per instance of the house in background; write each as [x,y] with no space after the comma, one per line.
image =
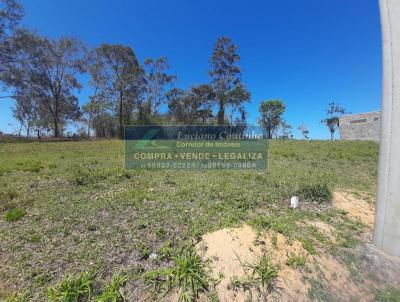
[363,126]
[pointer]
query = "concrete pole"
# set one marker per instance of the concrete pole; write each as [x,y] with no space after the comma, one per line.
[387,218]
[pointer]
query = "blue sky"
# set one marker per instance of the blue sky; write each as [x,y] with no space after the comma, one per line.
[306,52]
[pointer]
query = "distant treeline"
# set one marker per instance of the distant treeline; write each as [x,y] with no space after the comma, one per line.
[42,75]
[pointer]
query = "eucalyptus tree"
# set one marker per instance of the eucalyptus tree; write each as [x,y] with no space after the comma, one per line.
[271,115]
[226,81]
[157,80]
[50,75]
[201,98]
[176,99]
[190,107]
[119,78]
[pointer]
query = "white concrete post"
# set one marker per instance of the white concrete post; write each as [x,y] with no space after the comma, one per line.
[387,218]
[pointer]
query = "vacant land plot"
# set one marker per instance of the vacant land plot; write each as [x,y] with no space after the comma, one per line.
[76,226]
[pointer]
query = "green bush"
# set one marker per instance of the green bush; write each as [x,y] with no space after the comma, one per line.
[319,192]
[14,215]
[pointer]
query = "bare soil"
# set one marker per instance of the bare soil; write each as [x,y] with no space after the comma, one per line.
[336,280]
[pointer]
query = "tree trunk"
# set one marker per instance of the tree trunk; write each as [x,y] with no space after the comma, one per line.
[88,128]
[269,132]
[56,130]
[121,131]
[221,113]
[55,120]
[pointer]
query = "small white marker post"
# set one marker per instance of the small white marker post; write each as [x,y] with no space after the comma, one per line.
[387,218]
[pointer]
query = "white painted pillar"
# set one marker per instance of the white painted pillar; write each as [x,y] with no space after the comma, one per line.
[387,218]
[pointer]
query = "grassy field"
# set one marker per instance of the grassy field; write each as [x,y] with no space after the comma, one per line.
[70,207]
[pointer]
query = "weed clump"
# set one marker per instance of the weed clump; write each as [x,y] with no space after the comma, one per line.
[14,215]
[296,261]
[72,289]
[318,192]
[142,249]
[113,290]
[190,275]
[85,176]
[16,297]
[260,277]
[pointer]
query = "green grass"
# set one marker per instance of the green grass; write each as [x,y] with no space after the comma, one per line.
[87,212]
[72,289]
[189,275]
[113,290]
[14,215]
[388,295]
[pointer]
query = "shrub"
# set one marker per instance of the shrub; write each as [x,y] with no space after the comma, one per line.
[319,192]
[14,215]
[72,289]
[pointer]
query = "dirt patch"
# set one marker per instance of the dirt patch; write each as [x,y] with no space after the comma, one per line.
[324,228]
[356,208]
[226,248]
[324,276]
[334,275]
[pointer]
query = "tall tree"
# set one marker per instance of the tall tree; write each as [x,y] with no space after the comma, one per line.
[50,76]
[334,111]
[119,77]
[176,99]
[226,81]
[200,98]
[156,82]
[271,115]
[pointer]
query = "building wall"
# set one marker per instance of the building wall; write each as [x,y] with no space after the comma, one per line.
[365,126]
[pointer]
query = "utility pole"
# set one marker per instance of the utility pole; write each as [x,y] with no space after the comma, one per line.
[387,218]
